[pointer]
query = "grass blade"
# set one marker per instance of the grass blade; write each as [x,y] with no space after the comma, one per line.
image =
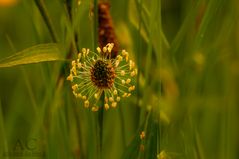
[35,54]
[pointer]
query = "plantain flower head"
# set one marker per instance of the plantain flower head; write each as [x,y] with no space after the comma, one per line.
[96,76]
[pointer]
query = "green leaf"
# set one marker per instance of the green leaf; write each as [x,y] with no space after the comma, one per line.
[34,54]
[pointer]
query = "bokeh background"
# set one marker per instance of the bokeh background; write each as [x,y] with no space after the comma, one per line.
[187,96]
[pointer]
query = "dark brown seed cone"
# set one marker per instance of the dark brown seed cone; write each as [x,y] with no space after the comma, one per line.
[102,74]
[106,29]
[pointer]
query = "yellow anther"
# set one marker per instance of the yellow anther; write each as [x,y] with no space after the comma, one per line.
[73,69]
[77,61]
[104,49]
[98,49]
[123,82]
[124,95]
[70,78]
[131,88]
[96,96]
[142,135]
[124,53]
[126,58]
[128,81]
[107,106]
[84,50]
[110,47]
[120,58]
[133,73]
[106,100]
[118,99]
[94,108]
[129,94]
[73,63]
[79,56]
[114,104]
[111,99]
[87,51]
[131,64]
[74,87]
[136,71]
[86,103]
[79,95]
[84,97]
[115,92]
[79,65]
[122,73]
[117,63]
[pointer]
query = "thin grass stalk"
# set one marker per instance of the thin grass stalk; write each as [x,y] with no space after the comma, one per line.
[43,10]
[100,113]
[141,154]
[101,125]
[121,114]
[138,59]
[95,36]
[159,128]
[73,50]
[73,46]
[32,98]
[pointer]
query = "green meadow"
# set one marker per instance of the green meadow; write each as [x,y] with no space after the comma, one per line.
[186,99]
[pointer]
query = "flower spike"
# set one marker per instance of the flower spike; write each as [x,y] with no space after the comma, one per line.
[96,74]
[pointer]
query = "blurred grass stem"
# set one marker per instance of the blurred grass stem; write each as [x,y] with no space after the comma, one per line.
[43,10]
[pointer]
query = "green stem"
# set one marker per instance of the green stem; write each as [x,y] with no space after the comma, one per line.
[141,154]
[101,110]
[101,121]
[73,47]
[43,10]
[138,58]
[68,4]
[95,23]
[121,114]
[159,128]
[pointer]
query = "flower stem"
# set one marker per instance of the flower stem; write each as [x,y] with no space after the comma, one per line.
[101,121]
[73,46]
[43,10]
[101,110]
[95,23]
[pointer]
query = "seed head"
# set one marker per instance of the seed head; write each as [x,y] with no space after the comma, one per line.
[96,74]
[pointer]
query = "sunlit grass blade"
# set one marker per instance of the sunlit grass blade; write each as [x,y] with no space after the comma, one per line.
[35,54]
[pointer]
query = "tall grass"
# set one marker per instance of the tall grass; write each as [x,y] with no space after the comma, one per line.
[186,101]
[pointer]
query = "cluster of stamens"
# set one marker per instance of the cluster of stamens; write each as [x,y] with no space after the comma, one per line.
[96,76]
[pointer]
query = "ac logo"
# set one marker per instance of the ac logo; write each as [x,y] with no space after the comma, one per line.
[28,144]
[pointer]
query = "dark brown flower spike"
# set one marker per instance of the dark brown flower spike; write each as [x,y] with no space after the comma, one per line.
[106,28]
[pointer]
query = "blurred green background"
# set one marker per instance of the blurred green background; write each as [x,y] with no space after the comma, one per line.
[187,96]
